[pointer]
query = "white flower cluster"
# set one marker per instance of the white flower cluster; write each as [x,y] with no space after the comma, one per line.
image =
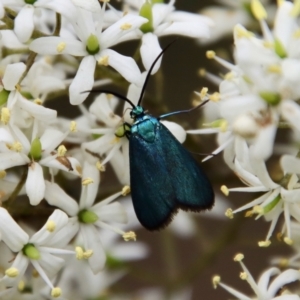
[49,47]
[257,96]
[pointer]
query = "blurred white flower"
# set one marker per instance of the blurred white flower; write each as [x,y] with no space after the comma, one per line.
[277,198]
[163,20]
[261,87]
[88,217]
[264,288]
[227,13]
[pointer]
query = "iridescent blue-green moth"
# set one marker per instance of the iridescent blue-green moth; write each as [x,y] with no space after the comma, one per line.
[164,176]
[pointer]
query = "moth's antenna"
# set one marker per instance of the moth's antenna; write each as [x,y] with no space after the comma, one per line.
[150,70]
[112,93]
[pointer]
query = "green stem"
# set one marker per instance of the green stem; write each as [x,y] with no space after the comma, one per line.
[30,60]
[58,25]
[18,188]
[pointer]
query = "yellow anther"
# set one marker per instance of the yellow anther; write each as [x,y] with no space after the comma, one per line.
[216,280]
[288,241]
[2,174]
[224,190]
[257,209]
[215,97]
[38,101]
[258,10]
[103,61]
[125,190]
[12,272]
[60,47]
[87,254]
[283,263]
[73,126]
[100,167]
[125,26]
[239,257]
[79,253]
[274,69]
[62,150]
[129,236]
[210,54]
[21,285]
[243,275]
[264,244]
[229,213]
[87,181]
[202,72]
[17,146]
[5,115]
[203,93]
[51,226]
[249,213]
[56,292]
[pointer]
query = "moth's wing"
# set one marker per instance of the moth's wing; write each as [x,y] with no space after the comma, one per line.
[151,184]
[193,190]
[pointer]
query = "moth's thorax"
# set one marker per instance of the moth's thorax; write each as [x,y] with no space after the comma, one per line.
[145,126]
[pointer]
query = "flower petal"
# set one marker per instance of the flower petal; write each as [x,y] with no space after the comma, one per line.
[58,220]
[92,241]
[56,196]
[125,65]
[150,49]
[54,45]
[113,212]
[35,184]
[20,263]
[12,234]
[83,80]
[290,164]
[13,73]
[189,29]
[291,112]
[89,192]
[12,159]
[281,280]
[37,111]
[115,32]
[24,23]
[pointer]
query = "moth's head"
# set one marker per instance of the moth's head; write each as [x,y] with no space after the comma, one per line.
[136,112]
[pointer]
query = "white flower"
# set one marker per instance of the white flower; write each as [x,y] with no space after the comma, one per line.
[264,288]
[29,15]
[87,217]
[277,199]
[35,153]
[163,20]
[40,250]
[228,13]
[93,45]
[261,88]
